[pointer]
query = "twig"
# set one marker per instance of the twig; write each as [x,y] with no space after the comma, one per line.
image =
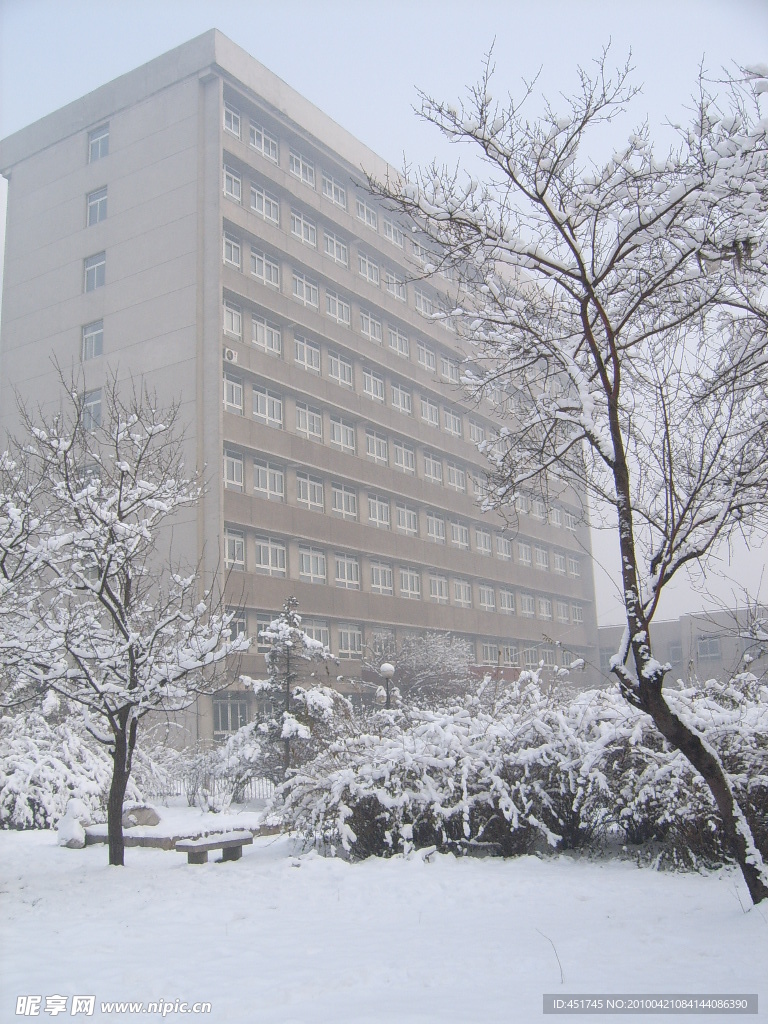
[562,979]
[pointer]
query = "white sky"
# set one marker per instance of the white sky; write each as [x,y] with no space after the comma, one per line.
[361,62]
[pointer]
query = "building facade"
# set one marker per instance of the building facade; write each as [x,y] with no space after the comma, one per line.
[198,224]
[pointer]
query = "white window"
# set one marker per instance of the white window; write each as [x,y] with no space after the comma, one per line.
[238,623]
[232,251]
[302,167]
[304,228]
[234,549]
[373,385]
[335,191]
[233,394]
[96,204]
[344,501]
[524,554]
[305,290]
[577,614]
[395,285]
[336,249]
[567,658]
[462,593]
[427,357]
[98,143]
[430,412]
[527,606]
[233,185]
[311,564]
[370,326]
[378,511]
[503,547]
[407,520]
[438,589]
[507,602]
[368,269]
[92,340]
[433,468]
[267,406]
[509,655]
[479,485]
[337,308]
[410,583]
[233,470]
[558,563]
[309,421]
[265,204]
[317,629]
[570,521]
[94,271]
[339,368]
[266,335]
[401,399]
[393,233]
[309,492]
[449,369]
[233,320]
[262,140]
[343,435]
[490,653]
[452,421]
[91,416]
[376,447]
[555,517]
[435,528]
[270,557]
[367,214]
[708,648]
[263,621]
[539,509]
[530,658]
[456,477]
[542,558]
[268,480]
[545,608]
[381,578]
[306,354]
[548,657]
[265,268]
[232,120]
[350,641]
[420,252]
[405,457]
[423,302]
[574,566]
[460,535]
[347,572]
[522,504]
[476,431]
[398,342]
[561,611]
[483,541]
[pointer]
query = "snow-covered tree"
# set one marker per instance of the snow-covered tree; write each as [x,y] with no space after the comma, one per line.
[111,624]
[428,665]
[618,316]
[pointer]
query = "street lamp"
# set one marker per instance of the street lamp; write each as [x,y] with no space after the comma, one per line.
[387,671]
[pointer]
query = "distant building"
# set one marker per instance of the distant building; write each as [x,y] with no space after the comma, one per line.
[199,224]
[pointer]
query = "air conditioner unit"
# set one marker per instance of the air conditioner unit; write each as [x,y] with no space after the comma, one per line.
[230,356]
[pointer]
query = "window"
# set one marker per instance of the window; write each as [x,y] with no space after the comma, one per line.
[232,253]
[433,468]
[336,249]
[309,492]
[343,435]
[306,354]
[381,578]
[370,326]
[524,555]
[423,302]
[94,271]
[92,340]
[267,406]
[503,548]
[234,549]
[233,394]
[460,536]
[420,252]
[490,654]
[368,269]
[574,566]
[429,412]
[309,421]
[438,589]
[339,369]
[407,520]
[233,185]
[302,167]
[395,285]
[373,385]
[401,399]
[304,228]
[435,528]
[483,541]
[233,470]
[98,143]
[548,657]
[449,369]
[405,457]
[367,214]
[337,308]
[344,501]
[268,480]
[91,416]
[270,557]
[561,611]
[570,521]
[558,563]
[577,614]
[427,357]
[555,517]
[542,558]
[509,655]
[545,608]
[708,648]
[476,431]
[567,658]
[539,509]
[452,421]
[263,621]
[311,565]
[265,268]
[265,204]
[305,290]
[335,191]
[347,572]
[507,602]
[456,477]
[393,233]
[238,624]
[350,641]
[675,652]
[376,447]
[410,583]
[317,629]
[266,335]
[264,142]
[233,320]
[231,120]
[522,504]
[527,606]
[479,485]
[378,512]
[398,342]
[230,713]
[530,658]
[97,206]
[462,594]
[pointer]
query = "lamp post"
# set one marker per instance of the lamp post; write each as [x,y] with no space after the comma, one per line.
[387,671]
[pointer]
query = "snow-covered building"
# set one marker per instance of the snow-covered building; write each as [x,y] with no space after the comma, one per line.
[198,224]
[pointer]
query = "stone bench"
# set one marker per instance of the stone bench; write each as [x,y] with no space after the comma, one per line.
[230,843]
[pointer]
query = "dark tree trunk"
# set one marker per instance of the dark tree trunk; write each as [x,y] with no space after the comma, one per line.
[122,756]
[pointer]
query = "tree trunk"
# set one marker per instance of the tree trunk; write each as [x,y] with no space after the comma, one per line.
[122,757]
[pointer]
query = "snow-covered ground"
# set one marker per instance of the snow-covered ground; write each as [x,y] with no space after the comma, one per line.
[281,938]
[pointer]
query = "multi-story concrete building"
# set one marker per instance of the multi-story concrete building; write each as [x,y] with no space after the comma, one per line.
[199,224]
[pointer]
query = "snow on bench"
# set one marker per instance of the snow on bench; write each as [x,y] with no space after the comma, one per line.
[230,843]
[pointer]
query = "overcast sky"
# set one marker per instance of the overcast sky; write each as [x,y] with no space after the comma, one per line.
[361,62]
